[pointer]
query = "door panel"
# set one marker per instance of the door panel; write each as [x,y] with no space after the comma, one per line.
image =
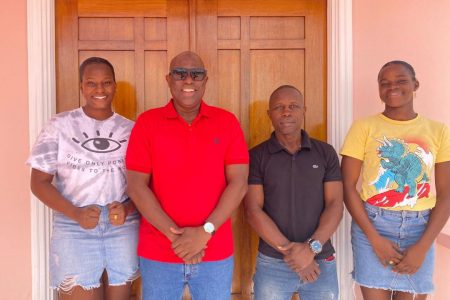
[249,48]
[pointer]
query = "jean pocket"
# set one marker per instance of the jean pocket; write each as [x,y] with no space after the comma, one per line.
[372,215]
[331,260]
[424,219]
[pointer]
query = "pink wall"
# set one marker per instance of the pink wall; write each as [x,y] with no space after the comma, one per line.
[416,31]
[15,257]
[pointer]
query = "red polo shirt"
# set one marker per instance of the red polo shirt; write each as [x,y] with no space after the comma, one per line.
[187,164]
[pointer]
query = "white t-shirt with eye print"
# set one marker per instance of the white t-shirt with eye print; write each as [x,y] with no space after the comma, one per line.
[86,156]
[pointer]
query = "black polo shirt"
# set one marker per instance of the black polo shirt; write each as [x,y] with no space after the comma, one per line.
[293,187]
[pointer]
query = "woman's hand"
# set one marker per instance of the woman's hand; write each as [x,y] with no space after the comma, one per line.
[387,251]
[412,260]
[117,213]
[88,216]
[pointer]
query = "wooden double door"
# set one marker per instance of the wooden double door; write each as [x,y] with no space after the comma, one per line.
[249,47]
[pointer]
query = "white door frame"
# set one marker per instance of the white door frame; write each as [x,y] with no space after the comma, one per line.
[42,103]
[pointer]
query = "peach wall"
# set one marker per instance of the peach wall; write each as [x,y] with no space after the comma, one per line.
[416,31]
[15,257]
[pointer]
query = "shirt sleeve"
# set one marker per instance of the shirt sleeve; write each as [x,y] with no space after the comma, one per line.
[443,153]
[355,141]
[138,157]
[333,170]
[255,175]
[237,151]
[44,154]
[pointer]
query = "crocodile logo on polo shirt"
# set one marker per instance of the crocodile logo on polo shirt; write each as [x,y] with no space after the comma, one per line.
[216,141]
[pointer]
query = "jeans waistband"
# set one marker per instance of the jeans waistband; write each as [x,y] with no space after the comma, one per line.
[397,213]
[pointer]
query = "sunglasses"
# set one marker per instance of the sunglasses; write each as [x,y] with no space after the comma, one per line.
[197,74]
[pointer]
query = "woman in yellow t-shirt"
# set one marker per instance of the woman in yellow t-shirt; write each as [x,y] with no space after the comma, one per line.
[396,218]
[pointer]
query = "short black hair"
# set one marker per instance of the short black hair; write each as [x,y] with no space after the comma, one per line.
[96,60]
[283,87]
[402,63]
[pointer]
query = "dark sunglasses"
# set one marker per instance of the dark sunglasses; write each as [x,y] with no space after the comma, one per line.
[197,74]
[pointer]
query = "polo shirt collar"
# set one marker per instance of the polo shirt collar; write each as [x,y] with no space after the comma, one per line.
[171,113]
[275,146]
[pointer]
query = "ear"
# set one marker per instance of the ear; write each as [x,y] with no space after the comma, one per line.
[167,78]
[416,85]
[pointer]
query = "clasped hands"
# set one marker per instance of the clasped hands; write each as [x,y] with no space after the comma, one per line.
[89,216]
[402,262]
[189,243]
[300,258]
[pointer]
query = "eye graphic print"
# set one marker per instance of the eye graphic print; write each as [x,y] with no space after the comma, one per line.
[100,144]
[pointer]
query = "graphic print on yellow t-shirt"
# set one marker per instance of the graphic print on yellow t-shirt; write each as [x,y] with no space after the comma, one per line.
[403,176]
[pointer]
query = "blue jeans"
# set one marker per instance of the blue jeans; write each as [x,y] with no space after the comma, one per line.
[274,280]
[207,280]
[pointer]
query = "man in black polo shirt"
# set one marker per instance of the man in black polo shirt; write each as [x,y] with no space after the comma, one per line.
[294,203]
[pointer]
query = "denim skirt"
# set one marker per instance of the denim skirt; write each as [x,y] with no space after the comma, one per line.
[79,256]
[403,228]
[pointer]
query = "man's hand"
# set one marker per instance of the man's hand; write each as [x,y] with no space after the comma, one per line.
[310,273]
[117,213]
[190,243]
[88,216]
[297,255]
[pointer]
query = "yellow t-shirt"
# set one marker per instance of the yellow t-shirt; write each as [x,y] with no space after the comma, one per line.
[398,159]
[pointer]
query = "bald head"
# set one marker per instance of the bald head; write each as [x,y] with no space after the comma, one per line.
[186,56]
[286,91]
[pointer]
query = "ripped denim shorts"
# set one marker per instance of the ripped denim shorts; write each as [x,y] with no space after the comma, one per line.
[79,256]
[403,228]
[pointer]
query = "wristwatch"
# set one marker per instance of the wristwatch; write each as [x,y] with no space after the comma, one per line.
[314,245]
[209,228]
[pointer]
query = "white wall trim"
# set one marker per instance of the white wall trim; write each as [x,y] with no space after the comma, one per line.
[41,96]
[41,101]
[340,117]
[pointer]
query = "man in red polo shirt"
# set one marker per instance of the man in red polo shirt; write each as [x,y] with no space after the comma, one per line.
[187,168]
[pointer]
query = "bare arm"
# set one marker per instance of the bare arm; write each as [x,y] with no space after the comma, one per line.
[146,202]
[415,255]
[233,194]
[193,239]
[384,249]
[332,214]
[42,187]
[260,221]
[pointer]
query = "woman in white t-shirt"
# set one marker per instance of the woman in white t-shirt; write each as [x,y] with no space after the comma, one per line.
[78,171]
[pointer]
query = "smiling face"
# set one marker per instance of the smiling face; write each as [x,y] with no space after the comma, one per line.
[286,111]
[396,86]
[98,88]
[187,93]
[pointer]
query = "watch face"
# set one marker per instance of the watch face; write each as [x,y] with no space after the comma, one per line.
[209,227]
[316,246]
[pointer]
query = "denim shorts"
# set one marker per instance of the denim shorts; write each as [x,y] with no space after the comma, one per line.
[274,280]
[79,256]
[403,228]
[209,280]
